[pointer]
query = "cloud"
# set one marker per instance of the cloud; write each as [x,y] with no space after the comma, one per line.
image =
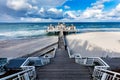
[70,14]
[18,4]
[55,10]
[114,13]
[116,10]
[99,2]
[67,7]
[95,12]
[46,13]
[54,13]
[28,4]
[35,8]
[47,3]
[29,19]
[91,13]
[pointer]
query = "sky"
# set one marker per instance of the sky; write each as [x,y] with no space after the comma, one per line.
[59,10]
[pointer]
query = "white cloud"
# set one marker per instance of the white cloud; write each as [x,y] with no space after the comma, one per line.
[118,7]
[18,4]
[53,13]
[95,12]
[48,3]
[114,13]
[41,10]
[22,19]
[55,10]
[67,7]
[99,2]
[46,10]
[31,19]
[33,4]
[70,14]
[91,13]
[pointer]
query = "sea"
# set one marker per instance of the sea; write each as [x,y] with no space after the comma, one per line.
[10,31]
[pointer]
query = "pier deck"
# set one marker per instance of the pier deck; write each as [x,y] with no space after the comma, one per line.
[62,27]
[62,67]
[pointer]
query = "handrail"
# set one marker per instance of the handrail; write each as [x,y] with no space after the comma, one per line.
[102,74]
[17,74]
[102,62]
[54,52]
[108,71]
[27,73]
[68,50]
[103,65]
[25,62]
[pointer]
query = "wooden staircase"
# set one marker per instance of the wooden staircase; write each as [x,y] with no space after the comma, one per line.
[62,67]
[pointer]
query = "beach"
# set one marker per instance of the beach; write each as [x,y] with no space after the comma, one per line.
[95,44]
[18,48]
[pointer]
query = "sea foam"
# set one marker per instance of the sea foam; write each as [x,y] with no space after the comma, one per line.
[15,34]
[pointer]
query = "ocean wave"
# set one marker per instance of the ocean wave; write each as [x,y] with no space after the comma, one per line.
[23,33]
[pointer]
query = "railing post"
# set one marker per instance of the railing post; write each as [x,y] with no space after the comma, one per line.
[114,77]
[19,77]
[104,75]
[85,61]
[26,76]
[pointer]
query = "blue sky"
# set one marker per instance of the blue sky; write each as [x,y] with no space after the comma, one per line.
[59,10]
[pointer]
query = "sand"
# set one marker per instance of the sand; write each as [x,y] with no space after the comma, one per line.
[18,48]
[95,44]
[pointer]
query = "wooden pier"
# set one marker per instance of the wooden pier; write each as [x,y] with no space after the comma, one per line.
[62,27]
[62,67]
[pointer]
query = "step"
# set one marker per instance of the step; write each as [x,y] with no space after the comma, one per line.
[64,70]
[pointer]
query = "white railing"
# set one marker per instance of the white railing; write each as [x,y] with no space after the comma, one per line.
[51,56]
[37,61]
[54,52]
[102,74]
[68,50]
[84,61]
[70,55]
[28,74]
[103,64]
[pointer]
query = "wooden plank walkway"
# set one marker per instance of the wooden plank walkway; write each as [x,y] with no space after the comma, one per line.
[62,67]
